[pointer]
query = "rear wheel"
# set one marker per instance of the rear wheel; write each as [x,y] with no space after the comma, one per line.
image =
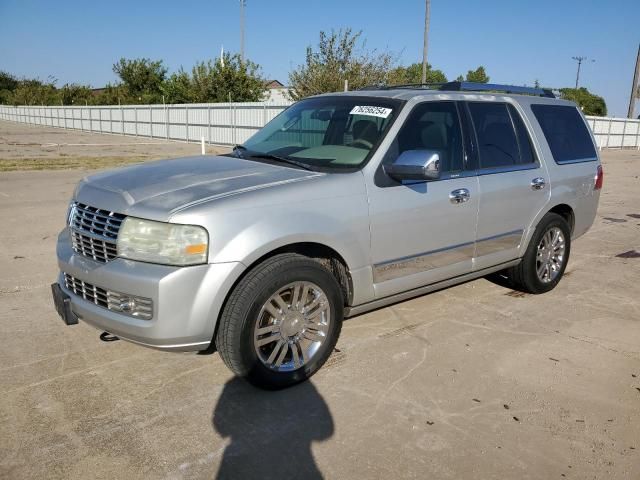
[546,258]
[281,322]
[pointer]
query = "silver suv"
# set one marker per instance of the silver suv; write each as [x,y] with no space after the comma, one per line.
[343,203]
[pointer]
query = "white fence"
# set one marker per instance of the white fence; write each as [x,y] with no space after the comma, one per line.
[226,123]
[218,123]
[615,132]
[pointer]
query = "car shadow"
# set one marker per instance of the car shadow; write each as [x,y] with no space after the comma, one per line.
[271,431]
[501,279]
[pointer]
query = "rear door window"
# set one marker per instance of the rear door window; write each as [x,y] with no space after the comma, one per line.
[566,133]
[497,141]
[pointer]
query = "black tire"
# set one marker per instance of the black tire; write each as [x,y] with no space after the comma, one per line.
[524,276]
[235,337]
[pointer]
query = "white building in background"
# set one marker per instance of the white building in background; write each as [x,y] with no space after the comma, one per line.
[276,92]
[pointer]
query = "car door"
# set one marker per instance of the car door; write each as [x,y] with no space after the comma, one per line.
[513,182]
[423,232]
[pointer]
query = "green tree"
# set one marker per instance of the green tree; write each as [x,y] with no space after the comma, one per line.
[8,81]
[229,79]
[34,92]
[590,103]
[413,74]
[340,56]
[478,75]
[142,79]
[8,84]
[177,88]
[111,95]
[74,94]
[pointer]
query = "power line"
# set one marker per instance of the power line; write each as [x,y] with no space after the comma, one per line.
[635,88]
[427,15]
[580,60]
[243,3]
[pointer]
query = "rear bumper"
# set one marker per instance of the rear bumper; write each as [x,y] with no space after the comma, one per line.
[186,300]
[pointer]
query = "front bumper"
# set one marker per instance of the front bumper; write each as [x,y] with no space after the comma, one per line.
[186,300]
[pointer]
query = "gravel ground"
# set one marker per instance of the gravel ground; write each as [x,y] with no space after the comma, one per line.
[475,381]
[30,147]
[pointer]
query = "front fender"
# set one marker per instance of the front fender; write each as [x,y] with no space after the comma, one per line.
[331,210]
[260,233]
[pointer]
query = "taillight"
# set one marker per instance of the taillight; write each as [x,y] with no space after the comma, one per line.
[599,178]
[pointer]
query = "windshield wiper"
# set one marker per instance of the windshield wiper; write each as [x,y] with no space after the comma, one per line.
[239,148]
[278,158]
[268,156]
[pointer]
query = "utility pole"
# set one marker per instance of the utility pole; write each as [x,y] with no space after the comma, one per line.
[243,3]
[427,14]
[635,87]
[580,60]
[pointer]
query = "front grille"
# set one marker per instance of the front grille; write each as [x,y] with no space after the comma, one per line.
[87,291]
[91,247]
[94,231]
[139,307]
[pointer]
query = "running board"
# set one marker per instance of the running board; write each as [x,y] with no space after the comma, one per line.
[417,292]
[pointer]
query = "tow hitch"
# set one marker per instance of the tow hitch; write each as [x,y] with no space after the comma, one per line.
[107,337]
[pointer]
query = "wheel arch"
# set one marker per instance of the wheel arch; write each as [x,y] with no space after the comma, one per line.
[566,212]
[563,209]
[331,259]
[525,276]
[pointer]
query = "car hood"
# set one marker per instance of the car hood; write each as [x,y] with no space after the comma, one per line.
[157,190]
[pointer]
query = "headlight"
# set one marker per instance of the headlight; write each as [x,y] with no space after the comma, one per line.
[164,243]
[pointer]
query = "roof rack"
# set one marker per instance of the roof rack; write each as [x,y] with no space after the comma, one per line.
[469,86]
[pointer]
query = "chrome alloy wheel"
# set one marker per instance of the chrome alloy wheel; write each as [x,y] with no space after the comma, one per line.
[292,326]
[550,255]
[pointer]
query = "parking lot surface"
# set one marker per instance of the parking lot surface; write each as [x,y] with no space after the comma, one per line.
[475,381]
[34,147]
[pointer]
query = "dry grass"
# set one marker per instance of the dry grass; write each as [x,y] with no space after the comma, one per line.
[66,163]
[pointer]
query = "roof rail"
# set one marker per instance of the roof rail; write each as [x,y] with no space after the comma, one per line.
[494,87]
[471,87]
[384,86]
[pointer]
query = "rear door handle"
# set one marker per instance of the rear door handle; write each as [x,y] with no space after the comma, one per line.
[538,183]
[459,196]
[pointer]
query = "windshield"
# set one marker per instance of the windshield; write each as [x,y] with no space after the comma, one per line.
[324,133]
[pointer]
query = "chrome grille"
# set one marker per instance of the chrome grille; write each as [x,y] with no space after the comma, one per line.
[139,307]
[87,291]
[94,231]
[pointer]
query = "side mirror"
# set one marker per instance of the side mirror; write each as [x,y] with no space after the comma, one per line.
[415,165]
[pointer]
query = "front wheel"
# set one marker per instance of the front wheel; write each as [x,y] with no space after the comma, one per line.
[281,322]
[546,258]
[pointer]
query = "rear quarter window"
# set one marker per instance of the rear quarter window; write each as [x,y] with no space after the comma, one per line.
[566,133]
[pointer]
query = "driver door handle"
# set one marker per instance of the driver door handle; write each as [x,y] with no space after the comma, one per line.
[461,195]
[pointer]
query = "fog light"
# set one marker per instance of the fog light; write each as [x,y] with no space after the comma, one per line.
[133,306]
[127,305]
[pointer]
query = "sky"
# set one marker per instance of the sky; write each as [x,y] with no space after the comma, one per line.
[517,41]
